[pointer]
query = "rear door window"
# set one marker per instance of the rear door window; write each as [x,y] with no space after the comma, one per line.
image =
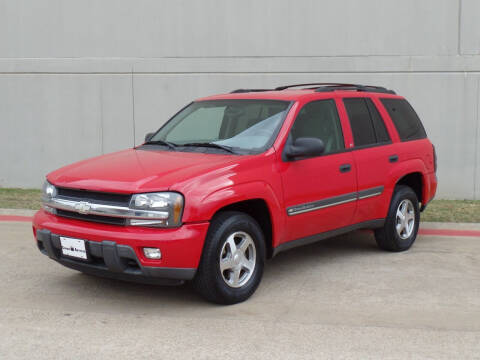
[367,125]
[405,119]
[378,124]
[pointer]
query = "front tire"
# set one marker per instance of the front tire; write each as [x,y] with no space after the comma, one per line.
[401,225]
[233,259]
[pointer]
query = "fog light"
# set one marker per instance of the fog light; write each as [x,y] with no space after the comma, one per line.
[152,253]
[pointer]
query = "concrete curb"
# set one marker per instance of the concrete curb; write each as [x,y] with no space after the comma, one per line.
[449,226]
[18,212]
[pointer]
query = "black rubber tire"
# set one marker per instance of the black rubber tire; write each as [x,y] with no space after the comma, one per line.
[387,237]
[208,280]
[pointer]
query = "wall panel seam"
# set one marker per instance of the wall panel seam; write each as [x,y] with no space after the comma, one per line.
[244,72]
[133,108]
[459,29]
[476,186]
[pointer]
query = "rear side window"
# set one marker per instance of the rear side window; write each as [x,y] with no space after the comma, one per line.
[405,119]
[367,125]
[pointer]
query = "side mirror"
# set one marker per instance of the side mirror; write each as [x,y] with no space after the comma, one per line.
[149,136]
[304,147]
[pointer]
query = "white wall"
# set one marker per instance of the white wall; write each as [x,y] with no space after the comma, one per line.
[86,77]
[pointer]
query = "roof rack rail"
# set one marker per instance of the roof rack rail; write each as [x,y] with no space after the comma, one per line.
[238,91]
[311,84]
[325,87]
[356,87]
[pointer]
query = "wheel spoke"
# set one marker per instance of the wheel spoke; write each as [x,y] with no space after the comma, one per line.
[400,226]
[235,276]
[400,214]
[410,224]
[226,264]
[403,209]
[248,264]
[411,216]
[231,244]
[244,244]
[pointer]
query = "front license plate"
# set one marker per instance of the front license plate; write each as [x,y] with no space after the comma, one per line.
[73,248]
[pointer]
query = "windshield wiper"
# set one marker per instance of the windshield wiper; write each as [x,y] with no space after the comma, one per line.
[170,145]
[210,145]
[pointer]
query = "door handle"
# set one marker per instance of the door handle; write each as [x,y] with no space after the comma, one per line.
[393,158]
[345,168]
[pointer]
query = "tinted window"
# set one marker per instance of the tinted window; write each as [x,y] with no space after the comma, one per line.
[360,122]
[378,124]
[406,120]
[249,125]
[203,124]
[319,119]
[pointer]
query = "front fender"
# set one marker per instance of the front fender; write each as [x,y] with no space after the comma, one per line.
[218,199]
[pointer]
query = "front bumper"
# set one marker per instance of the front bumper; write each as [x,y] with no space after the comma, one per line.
[109,259]
[117,251]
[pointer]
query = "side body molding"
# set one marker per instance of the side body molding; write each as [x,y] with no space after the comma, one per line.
[334,201]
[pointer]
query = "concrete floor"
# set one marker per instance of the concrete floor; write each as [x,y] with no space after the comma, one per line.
[341,298]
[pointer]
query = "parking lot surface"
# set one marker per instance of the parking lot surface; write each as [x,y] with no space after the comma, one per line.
[340,298]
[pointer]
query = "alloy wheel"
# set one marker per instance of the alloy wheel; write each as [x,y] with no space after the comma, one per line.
[405,219]
[237,259]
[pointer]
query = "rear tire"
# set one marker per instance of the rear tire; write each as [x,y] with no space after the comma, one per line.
[401,225]
[233,259]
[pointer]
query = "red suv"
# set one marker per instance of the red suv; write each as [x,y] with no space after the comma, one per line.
[233,179]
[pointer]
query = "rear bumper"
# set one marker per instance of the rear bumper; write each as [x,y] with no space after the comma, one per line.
[117,251]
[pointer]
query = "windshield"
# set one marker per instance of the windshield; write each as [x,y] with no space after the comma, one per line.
[240,125]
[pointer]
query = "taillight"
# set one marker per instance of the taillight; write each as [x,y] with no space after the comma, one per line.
[434,158]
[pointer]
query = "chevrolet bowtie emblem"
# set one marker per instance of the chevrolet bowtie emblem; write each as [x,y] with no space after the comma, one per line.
[83,207]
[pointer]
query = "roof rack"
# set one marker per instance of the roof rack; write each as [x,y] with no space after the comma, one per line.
[325,87]
[238,91]
[311,84]
[355,87]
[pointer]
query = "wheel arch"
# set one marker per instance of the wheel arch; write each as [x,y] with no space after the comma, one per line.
[258,210]
[411,173]
[415,181]
[255,199]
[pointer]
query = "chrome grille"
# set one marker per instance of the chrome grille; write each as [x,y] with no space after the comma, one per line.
[122,200]
[95,218]
[94,196]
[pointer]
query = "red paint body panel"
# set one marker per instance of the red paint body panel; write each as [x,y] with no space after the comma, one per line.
[314,179]
[373,170]
[181,247]
[133,171]
[210,182]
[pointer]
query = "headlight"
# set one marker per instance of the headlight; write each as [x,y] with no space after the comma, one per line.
[48,192]
[170,203]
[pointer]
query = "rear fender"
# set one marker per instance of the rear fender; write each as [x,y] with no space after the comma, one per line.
[408,167]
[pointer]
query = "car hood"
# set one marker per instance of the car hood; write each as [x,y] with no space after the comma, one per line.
[138,170]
